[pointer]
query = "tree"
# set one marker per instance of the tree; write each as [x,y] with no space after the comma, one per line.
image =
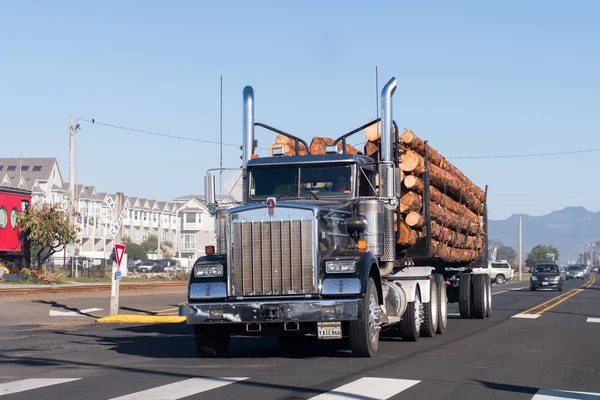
[540,254]
[166,248]
[133,250]
[507,253]
[47,229]
[150,244]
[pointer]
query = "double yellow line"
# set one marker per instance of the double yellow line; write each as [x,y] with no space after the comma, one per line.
[553,302]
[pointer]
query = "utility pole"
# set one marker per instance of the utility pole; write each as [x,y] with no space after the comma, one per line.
[71,211]
[114,289]
[520,249]
[221,142]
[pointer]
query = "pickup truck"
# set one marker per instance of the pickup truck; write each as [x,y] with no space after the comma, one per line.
[501,271]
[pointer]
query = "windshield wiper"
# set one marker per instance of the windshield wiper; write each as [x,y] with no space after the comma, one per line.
[289,193]
[305,190]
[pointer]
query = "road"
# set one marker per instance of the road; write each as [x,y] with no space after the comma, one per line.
[503,357]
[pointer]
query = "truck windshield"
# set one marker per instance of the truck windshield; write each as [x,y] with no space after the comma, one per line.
[300,181]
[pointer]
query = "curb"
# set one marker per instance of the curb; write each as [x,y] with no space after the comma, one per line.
[141,319]
[87,288]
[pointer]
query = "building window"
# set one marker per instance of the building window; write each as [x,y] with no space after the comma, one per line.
[154,219]
[25,168]
[190,218]
[12,168]
[145,216]
[136,215]
[189,242]
[35,168]
[54,174]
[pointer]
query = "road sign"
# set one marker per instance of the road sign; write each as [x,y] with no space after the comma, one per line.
[119,251]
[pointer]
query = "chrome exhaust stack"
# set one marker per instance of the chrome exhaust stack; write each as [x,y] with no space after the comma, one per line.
[386,177]
[247,136]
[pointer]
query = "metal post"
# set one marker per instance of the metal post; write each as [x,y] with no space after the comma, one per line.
[114,289]
[520,249]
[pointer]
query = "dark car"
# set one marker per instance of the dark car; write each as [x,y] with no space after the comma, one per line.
[546,276]
[575,272]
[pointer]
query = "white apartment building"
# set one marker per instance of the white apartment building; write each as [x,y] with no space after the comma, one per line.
[185,222]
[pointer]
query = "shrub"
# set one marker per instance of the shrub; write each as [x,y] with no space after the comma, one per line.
[25,274]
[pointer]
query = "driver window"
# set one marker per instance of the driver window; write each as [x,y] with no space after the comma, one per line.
[364,188]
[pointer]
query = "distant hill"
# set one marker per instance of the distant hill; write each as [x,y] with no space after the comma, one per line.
[565,229]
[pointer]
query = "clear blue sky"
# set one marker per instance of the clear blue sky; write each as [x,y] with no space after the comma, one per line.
[475,78]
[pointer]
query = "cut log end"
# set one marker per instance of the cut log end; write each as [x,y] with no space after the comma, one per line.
[407,137]
[414,219]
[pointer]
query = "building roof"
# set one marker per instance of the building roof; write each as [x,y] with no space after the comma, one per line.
[30,169]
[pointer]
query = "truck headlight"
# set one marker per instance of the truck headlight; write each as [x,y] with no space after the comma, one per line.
[340,267]
[557,278]
[208,271]
[533,278]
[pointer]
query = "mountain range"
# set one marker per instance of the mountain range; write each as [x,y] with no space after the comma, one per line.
[566,229]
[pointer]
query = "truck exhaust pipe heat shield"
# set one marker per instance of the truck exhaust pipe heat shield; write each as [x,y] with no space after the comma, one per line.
[386,176]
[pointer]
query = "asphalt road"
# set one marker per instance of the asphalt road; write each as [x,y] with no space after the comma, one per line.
[551,351]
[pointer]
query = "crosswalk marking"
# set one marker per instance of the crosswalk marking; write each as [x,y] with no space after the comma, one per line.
[368,389]
[595,320]
[546,394]
[29,384]
[180,389]
[526,316]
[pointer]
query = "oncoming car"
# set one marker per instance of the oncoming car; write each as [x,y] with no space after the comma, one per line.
[545,276]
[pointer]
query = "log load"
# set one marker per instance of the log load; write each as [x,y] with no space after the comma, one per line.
[415,185]
[443,180]
[410,140]
[282,139]
[317,146]
[451,254]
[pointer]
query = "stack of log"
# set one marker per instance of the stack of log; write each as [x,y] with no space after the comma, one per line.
[456,204]
[317,146]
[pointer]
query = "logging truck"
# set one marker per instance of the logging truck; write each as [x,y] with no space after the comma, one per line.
[332,242]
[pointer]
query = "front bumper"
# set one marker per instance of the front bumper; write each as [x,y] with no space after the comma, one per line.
[545,284]
[275,311]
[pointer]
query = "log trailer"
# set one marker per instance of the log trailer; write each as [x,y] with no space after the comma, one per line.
[315,249]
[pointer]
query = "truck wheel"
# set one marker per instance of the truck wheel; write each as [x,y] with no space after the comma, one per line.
[500,279]
[489,296]
[363,335]
[410,325]
[211,341]
[442,302]
[430,312]
[464,295]
[480,296]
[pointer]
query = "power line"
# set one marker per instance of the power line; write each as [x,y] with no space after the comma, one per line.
[545,193]
[551,234]
[558,153]
[94,122]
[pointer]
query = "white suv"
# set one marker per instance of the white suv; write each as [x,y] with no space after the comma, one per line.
[500,271]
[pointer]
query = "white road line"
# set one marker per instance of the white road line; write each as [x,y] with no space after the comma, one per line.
[595,320]
[368,389]
[29,384]
[526,316]
[78,313]
[546,394]
[180,389]
[510,290]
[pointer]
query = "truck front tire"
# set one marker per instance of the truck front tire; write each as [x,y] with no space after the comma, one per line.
[430,312]
[211,341]
[363,335]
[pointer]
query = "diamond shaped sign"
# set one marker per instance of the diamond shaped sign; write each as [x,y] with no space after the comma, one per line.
[119,251]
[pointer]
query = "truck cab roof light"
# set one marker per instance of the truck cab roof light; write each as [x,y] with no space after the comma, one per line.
[330,149]
[278,151]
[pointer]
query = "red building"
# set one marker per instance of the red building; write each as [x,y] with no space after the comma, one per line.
[12,203]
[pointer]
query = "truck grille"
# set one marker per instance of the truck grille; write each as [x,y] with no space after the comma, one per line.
[273,257]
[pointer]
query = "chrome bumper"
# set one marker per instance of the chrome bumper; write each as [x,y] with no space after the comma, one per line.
[275,311]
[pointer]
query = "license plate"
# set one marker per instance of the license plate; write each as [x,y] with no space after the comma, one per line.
[329,330]
[545,283]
